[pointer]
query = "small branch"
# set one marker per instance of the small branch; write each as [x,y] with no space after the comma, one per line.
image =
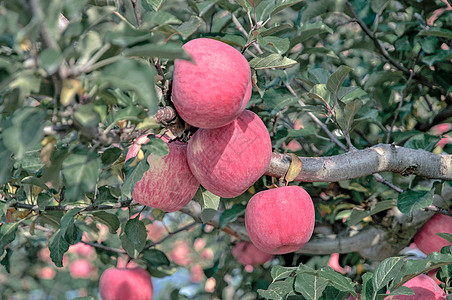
[126,203]
[439,210]
[418,77]
[136,12]
[381,179]
[170,234]
[103,247]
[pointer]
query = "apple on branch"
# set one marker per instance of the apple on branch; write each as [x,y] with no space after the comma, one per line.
[168,184]
[280,220]
[214,90]
[228,160]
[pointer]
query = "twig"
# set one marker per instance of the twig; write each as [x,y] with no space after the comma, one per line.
[103,247]
[381,179]
[438,209]
[136,12]
[418,77]
[126,203]
[388,137]
[186,227]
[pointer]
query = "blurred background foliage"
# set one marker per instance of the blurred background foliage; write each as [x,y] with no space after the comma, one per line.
[80,80]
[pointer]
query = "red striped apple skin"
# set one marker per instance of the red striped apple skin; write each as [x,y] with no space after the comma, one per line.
[280,220]
[427,240]
[214,90]
[168,184]
[126,284]
[423,287]
[228,160]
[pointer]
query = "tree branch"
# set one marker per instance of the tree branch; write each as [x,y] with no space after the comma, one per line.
[360,163]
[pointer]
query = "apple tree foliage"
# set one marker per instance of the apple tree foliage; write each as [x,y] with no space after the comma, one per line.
[80,80]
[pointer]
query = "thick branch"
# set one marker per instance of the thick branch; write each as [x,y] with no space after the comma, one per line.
[359,163]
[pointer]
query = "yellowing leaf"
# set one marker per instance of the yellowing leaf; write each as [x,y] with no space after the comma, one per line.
[70,88]
[138,158]
[294,169]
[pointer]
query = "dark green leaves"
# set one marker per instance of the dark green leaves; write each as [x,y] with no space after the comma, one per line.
[209,204]
[7,235]
[127,75]
[133,237]
[133,175]
[80,170]
[108,219]
[411,200]
[24,130]
[231,214]
[272,61]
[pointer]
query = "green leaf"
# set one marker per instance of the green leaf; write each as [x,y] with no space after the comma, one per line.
[24,130]
[50,60]
[169,50]
[309,30]
[156,146]
[331,293]
[339,281]
[68,220]
[58,246]
[402,290]
[133,237]
[357,215]
[87,116]
[336,79]
[320,92]
[155,258]
[274,44]
[133,175]
[155,4]
[278,290]
[7,234]
[385,272]
[80,171]
[188,28]
[272,61]
[230,215]
[367,291]
[438,32]
[209,204]
[5,158]
[110,156]
[446,236]
[277,99]
[283,4]
[128,74]
[314,9]
[309,285]
[410,200]
[422,141]
[348,94]
[279,272]
[135,231]
[110,220]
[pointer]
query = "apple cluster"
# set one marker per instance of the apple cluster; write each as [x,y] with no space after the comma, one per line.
[228,153]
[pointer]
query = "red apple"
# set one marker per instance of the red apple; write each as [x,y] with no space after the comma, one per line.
[214,90]
[82,250]
[199,244]
[181,254]
[424,288]
[197,273]
[351,297]
[126,284]
[80,268]
[168,184]
[47,273]
[210,285]
[247,254]
[280,220]
[207,254]
[427,240]
[228,160]
[334,264]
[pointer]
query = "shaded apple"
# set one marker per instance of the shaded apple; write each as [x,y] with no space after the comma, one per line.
[280,220]
[427,240]
[80,268]
[214,90]
[181,253]
[228,160]
[196,273]
[126,284]
[247,254]
[82,250]
[424,288]
[47,273]
[168,184]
